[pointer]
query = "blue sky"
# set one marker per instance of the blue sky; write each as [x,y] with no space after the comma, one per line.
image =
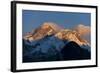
[32,19]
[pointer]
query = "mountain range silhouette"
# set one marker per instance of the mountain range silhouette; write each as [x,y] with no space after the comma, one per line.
[50,42]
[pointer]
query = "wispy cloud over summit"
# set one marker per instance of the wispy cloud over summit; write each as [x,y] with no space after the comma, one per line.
[83,30]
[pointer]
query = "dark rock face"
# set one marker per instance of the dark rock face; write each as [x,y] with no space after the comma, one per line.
[46,49]
[73,51]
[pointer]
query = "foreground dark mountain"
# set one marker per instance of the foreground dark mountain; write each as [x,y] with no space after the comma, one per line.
[49,42]
[72,51]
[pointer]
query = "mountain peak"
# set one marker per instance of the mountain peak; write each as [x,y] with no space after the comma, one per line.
[71,35]
[52,26]
[46,28]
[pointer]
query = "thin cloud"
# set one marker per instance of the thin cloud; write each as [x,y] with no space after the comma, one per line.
[83,30]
